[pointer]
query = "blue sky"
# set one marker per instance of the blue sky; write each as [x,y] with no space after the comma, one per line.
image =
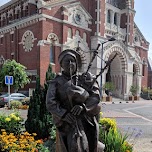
[143,19]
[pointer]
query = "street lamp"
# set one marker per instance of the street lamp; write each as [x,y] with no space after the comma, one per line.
[111,39]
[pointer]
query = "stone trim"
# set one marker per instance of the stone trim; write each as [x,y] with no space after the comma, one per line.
[32,20]
[20,24]
[63,21]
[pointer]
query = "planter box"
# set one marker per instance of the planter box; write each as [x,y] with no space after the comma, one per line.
[133,98]
[136,97]
[107,98]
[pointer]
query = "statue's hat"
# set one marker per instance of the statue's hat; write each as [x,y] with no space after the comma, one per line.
[73,53]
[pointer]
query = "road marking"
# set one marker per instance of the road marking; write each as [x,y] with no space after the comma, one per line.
[134,124]
[138,107]
[127,110]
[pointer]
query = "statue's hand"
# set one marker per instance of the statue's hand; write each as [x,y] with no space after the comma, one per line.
[70,118]
[76,110]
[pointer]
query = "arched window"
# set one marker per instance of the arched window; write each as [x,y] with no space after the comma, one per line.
[26,11]
[77,33]
[143,67]
[85,37]
[52,54]
[134,70]
[108,17]
[10,17]
[115,18]
[18,14]
[69,33]
[4,21]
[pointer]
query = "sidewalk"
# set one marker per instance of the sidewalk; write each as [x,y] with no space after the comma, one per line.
[118,101]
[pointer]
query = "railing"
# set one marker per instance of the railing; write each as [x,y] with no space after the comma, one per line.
[121,4]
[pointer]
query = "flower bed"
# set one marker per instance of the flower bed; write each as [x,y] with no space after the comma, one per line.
[14,138]
[111,136]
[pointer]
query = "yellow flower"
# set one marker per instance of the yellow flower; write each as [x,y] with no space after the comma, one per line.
[18,118]
[2,130]
[7,119]
[101,114]
[34,134]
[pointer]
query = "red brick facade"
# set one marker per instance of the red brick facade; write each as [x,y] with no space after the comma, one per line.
[45,18]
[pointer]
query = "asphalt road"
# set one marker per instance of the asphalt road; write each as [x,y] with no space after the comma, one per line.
[134,118]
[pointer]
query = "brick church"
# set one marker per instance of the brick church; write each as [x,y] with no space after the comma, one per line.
[34,32]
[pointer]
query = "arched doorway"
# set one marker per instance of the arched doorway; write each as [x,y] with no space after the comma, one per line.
[116,71]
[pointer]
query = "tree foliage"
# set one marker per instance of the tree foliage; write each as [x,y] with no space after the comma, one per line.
[39,120]
[17,70]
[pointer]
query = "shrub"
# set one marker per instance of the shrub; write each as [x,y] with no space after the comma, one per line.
[11,123]
[24,107]
[25,101]
[109,86]
[15,104]
[39,120]
[134,90]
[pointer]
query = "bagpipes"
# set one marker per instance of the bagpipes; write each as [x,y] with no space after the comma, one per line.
[108,63]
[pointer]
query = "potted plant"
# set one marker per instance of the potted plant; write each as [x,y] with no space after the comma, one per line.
[108,87]
[146,93]
[134,90]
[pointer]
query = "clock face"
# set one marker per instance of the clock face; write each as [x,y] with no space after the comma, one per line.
[79,17]
[28,41]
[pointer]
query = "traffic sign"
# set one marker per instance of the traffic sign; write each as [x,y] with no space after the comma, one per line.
[9,80]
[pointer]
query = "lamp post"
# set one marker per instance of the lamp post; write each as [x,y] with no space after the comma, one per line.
[111,39]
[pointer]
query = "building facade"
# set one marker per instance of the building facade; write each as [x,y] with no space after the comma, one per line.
[34,32]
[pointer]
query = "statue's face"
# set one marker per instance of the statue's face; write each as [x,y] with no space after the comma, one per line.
[69,65]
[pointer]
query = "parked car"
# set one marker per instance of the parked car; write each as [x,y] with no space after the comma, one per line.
[14,96]
[2,99]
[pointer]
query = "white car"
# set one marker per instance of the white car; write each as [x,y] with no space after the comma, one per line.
[13,96]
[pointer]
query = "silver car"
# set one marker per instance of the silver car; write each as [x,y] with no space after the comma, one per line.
[14,96]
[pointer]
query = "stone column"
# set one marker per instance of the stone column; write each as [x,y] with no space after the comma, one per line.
[112,17]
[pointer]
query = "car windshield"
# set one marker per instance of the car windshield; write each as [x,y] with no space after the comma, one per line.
[17,95]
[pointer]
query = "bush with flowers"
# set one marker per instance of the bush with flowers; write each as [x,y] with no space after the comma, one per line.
[24,142]
[111,136]
[14,139]
[12,123]
[15,104]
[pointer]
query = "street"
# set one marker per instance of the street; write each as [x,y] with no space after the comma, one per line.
[134,118]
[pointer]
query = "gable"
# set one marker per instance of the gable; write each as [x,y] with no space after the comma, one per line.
[77,14]
[138,36]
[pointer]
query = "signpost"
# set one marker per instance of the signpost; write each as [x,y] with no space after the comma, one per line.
[8,81]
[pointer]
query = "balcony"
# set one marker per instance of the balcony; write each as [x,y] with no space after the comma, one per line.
[121,4]
[112,29]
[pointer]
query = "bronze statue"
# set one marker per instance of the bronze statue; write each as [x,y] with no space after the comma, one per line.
[74,102]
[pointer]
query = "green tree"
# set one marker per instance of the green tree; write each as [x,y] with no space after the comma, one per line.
[39,120]
[17,70]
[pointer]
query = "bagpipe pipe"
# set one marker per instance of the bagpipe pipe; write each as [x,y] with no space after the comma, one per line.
[94,79]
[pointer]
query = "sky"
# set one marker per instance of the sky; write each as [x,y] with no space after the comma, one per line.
[143,19]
